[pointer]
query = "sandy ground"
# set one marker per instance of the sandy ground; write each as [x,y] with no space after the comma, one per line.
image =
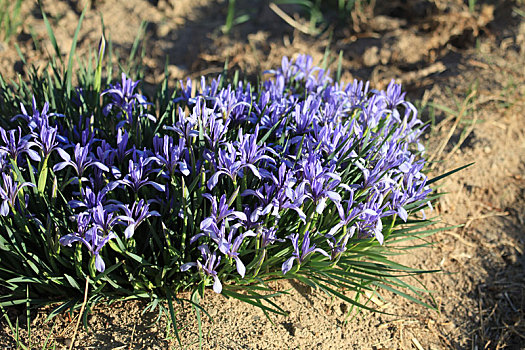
[465,69]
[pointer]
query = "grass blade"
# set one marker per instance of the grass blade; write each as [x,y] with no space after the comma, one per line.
[69,73]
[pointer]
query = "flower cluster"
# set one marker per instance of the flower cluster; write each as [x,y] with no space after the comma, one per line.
[244,180]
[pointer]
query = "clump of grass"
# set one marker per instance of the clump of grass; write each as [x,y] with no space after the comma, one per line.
[224,185]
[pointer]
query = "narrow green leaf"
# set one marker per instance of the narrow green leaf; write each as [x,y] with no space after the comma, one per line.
[172,315]
[196,300]
[51,35]
[405,295]
[253,300]
[42,178]
[69,73]
[437,178]
[339,67]
[72,282]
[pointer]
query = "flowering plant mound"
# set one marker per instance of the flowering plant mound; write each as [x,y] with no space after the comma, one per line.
[216,185]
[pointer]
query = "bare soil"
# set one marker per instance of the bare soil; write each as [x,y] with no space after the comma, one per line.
[464,67]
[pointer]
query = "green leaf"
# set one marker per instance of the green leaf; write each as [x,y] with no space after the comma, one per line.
[51,35]
[172,315]
[42,178]
[24,279]
[61,308]
[72,282]
[195,302]
[103,275]
[136,42]
[254,300]
[339,66]
[405,295]
[343,297]
[437,178]
[69,72]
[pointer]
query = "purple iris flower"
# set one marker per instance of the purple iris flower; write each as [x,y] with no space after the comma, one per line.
[281,194]
[124,98]
[122,149]
[88,235]
[338,247]
[350,214]
[135,215]
[216,231]
[137,176]
[390,156]
[15,144]
[244,154]
[106,155]
[84,224]
[232,104]
[185,91]
[80,164]
[38,119]
[412,131]
[357,92]
[185,125]
[302,70]
[416,189]
[393,95]
[212,89]
[86,136]
[332,106]
[220,211]
[92,199]
[250,152]
[314,76]
[373,111]
[9,193]
[285,69]
[104,219]
[230,247]
[269,236]
[413,186]
[331,137]
[47,140]
[397,200]
[272,112]
[215,132]
[253,217]
[412,171]
[4,163]
[370,224]
[304,115]
[172,156]
[211,262]
[271,200]
[227,165]
[321,182]
[301,254]
[276,88]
